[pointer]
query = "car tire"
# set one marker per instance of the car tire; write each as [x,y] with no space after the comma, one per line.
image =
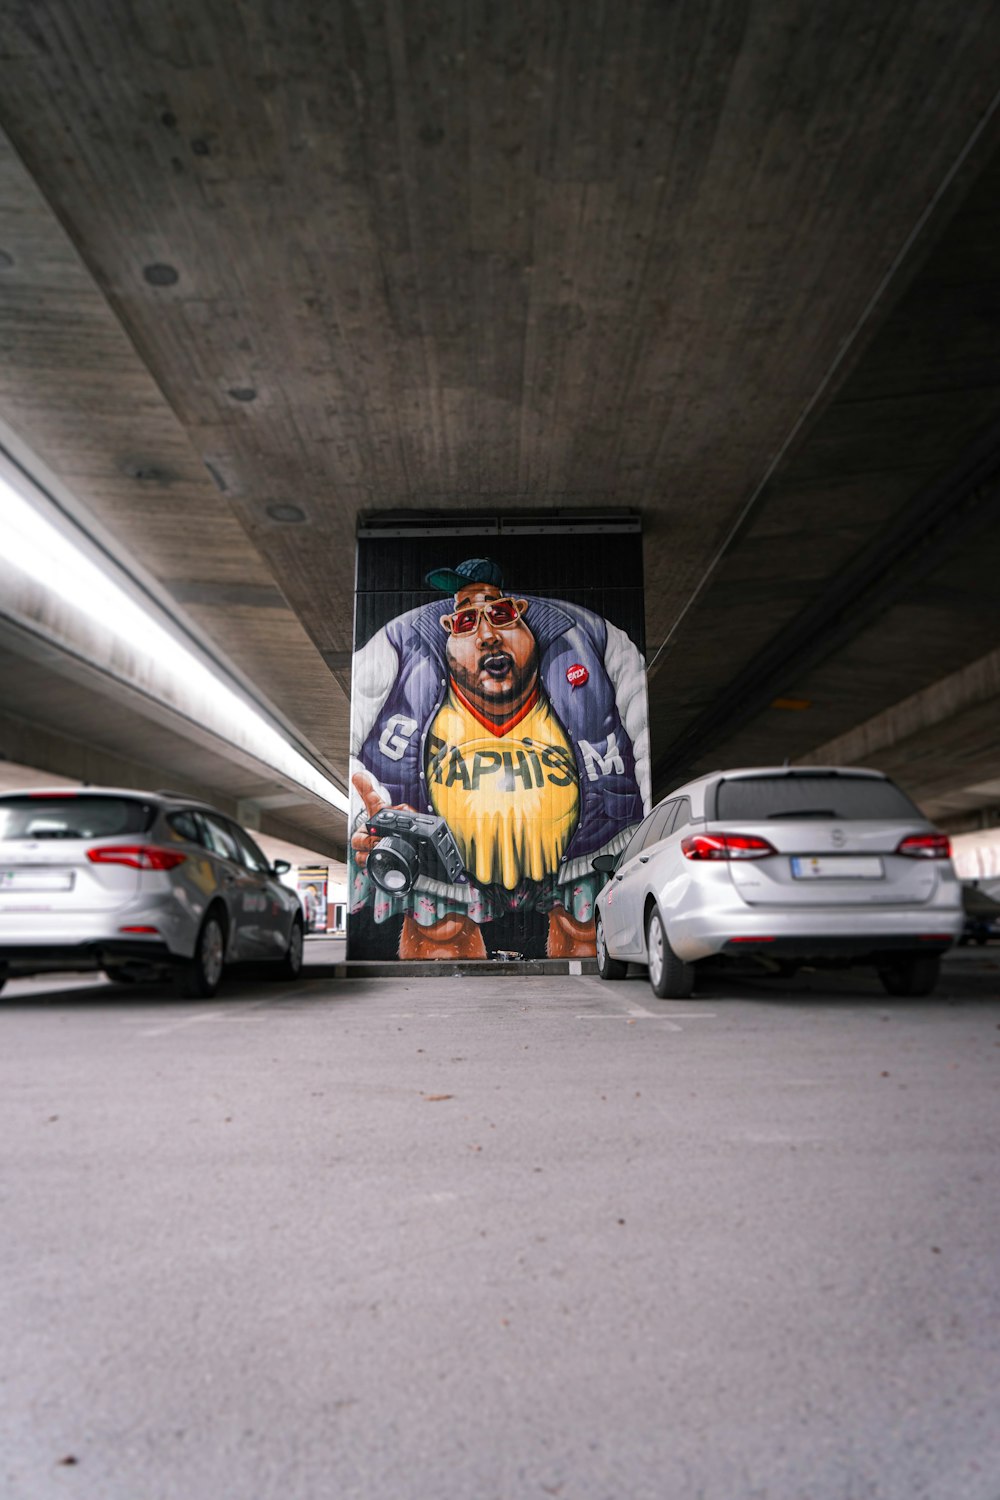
[607,967]
[916,975]
[670,977]
[289,966]
[198,977]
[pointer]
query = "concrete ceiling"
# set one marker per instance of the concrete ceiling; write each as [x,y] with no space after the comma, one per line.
[736,266]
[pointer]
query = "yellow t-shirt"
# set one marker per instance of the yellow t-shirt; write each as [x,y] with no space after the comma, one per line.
[511,800]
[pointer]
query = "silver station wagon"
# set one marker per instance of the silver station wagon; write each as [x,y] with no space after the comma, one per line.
[138,884]
[786,866]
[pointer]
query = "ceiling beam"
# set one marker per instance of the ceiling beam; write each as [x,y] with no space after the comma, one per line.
[937,521]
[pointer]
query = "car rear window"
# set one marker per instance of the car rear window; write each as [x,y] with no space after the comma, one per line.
[756,798]
[72,817]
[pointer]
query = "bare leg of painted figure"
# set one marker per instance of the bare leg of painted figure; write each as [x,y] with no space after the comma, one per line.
[569,938]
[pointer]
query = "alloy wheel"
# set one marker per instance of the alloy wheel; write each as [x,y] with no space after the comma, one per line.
[212,952]
[295,942]
[655,951]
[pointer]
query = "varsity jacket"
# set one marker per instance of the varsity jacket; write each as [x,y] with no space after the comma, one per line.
[400,680]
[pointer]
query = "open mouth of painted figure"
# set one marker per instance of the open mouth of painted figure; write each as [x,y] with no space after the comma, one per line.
[498,665]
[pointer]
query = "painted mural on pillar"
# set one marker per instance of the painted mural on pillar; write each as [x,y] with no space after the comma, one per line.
[499,742]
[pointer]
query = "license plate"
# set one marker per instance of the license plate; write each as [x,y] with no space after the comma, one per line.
[36,880]
[837,867]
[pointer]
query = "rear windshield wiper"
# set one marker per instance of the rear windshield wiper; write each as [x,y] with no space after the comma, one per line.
[806,812]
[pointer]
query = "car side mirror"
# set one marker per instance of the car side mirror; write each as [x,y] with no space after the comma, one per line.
[605,864]
[280,867]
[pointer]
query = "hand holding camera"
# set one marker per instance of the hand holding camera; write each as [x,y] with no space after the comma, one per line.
[401,844]
[364,842]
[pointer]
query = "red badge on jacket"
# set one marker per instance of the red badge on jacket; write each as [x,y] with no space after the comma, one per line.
[577,675]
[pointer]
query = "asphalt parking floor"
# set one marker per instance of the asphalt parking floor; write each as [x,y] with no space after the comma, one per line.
[501,1237]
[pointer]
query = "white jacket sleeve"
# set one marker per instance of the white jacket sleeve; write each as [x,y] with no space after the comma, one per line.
[374,670]
[627,670]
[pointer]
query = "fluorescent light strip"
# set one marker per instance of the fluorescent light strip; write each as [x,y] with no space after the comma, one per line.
[39,549]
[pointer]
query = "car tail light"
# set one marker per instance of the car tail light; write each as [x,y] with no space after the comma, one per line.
[725,846]
[752,940]
[140,929]
[137,856]
[925,846]
[50,795]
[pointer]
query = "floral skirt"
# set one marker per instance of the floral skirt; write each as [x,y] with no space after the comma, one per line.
[481,903]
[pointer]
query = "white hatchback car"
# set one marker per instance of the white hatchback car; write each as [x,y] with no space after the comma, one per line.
[138,884]
[786,865]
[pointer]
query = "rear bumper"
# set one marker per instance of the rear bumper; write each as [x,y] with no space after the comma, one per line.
[54,958]
[860,949]
[850,934]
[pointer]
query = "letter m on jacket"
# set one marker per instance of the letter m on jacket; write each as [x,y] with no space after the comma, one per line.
[597,764]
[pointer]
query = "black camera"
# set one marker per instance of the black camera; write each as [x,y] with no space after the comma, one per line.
[411,844]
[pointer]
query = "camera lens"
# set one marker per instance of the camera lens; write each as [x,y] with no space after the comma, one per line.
[394,865]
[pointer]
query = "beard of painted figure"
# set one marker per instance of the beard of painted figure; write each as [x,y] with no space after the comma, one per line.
[494,667]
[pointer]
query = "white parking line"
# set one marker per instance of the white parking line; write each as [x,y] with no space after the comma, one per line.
[675,1016]
[210,1015]
[243,1013]
[621,1016]
[636,1012]
[684,1015]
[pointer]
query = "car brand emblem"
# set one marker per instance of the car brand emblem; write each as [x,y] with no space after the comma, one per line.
[838,838]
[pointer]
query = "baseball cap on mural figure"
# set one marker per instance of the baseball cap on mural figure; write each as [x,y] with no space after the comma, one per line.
[473,570]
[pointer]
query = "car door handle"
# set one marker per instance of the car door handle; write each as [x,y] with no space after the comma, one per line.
[644,859]
[618,878]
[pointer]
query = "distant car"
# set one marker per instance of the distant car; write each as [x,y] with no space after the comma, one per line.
[788,866]
[138,884]
[982,914]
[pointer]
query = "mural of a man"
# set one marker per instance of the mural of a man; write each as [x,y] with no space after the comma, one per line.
[523,723]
